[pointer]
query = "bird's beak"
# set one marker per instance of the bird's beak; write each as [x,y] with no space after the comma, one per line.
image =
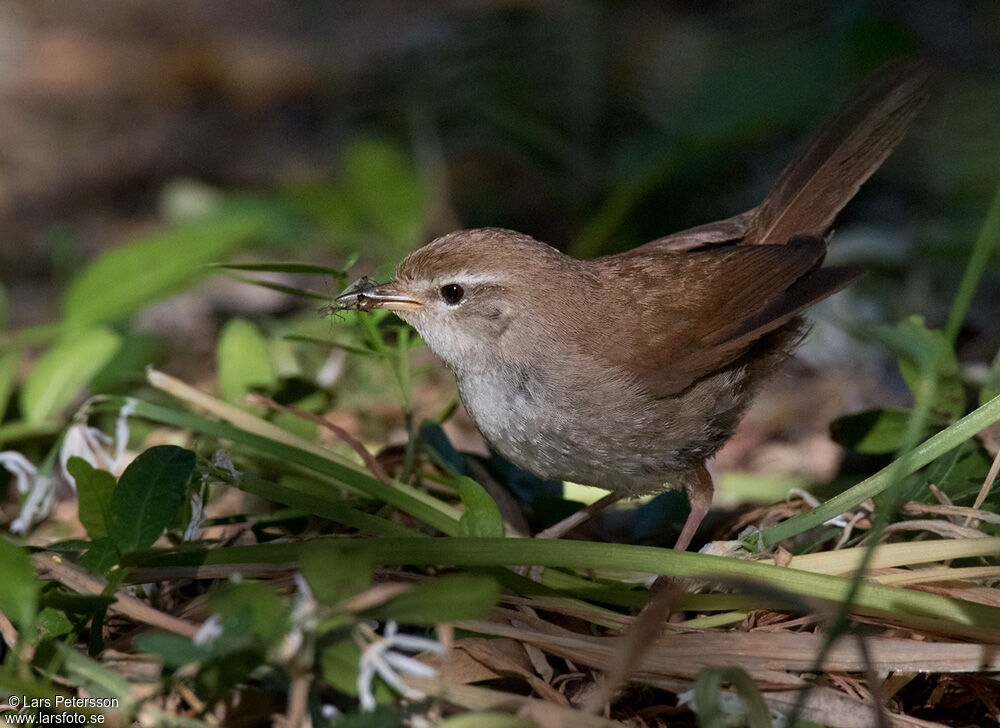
[365,296]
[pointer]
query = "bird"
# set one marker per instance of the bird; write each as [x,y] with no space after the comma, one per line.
[629,371]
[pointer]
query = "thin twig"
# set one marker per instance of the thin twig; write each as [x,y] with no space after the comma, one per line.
[54,567]
[874,684]
[370,462]
[637,638]
[984,491]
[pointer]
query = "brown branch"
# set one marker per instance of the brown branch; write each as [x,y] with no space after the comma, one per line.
[370,462]
[53,566]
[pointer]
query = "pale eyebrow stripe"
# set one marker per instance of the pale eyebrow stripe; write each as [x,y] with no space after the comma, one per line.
[473,278]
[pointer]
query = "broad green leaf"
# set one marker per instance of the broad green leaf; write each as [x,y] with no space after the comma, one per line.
[384,188]
[8,370]
[94,489]
[334,572]
[445,599]
[100,557]
[482,517]
[872,432]
[128,365]
[148,495]
[128,277]
[52,623]
[253,617]
[243,360]
[328,207]
[19,586]
[64,370]
[921,351]
[175,650]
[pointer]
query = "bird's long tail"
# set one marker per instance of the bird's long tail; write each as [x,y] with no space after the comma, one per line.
[814,187]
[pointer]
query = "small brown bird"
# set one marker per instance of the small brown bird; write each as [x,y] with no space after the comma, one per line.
[629,371]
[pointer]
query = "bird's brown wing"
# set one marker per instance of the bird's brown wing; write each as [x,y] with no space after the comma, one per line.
[692,313]
[721,231]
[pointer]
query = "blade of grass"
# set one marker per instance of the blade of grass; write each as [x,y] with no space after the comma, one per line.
[307,268]
[984,247]
[321,504]
[921,456]
[411,500]
[894,554]
[282,288]
[914,608]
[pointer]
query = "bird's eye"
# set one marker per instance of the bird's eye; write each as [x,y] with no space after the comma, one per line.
[452,293]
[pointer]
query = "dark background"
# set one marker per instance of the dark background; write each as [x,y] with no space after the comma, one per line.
[593,126]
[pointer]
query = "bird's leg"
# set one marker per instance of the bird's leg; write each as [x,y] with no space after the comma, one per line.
[700,489]
[570,522]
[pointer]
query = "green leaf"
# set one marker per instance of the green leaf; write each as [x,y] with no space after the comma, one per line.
[128,277]
[64,370]
[94,488]
[128,365]
[328,207]
[384,188]
[175,650]
[243,360]
[924,352]
[871,432]
[148,495]
[253,617]
[482,517]
[52,623]
[100,557]
[333,572]
[445,599]
[19,586]
[8,371]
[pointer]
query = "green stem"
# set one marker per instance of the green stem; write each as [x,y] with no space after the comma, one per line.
[954,616]
[923,455]
[985,246]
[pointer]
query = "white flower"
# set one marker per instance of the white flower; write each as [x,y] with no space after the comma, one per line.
[221,460]
[838,521]
[40,489]
[379,657]
[100,450]
[210,630]
[731,704]
[80,440]
[193,530]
